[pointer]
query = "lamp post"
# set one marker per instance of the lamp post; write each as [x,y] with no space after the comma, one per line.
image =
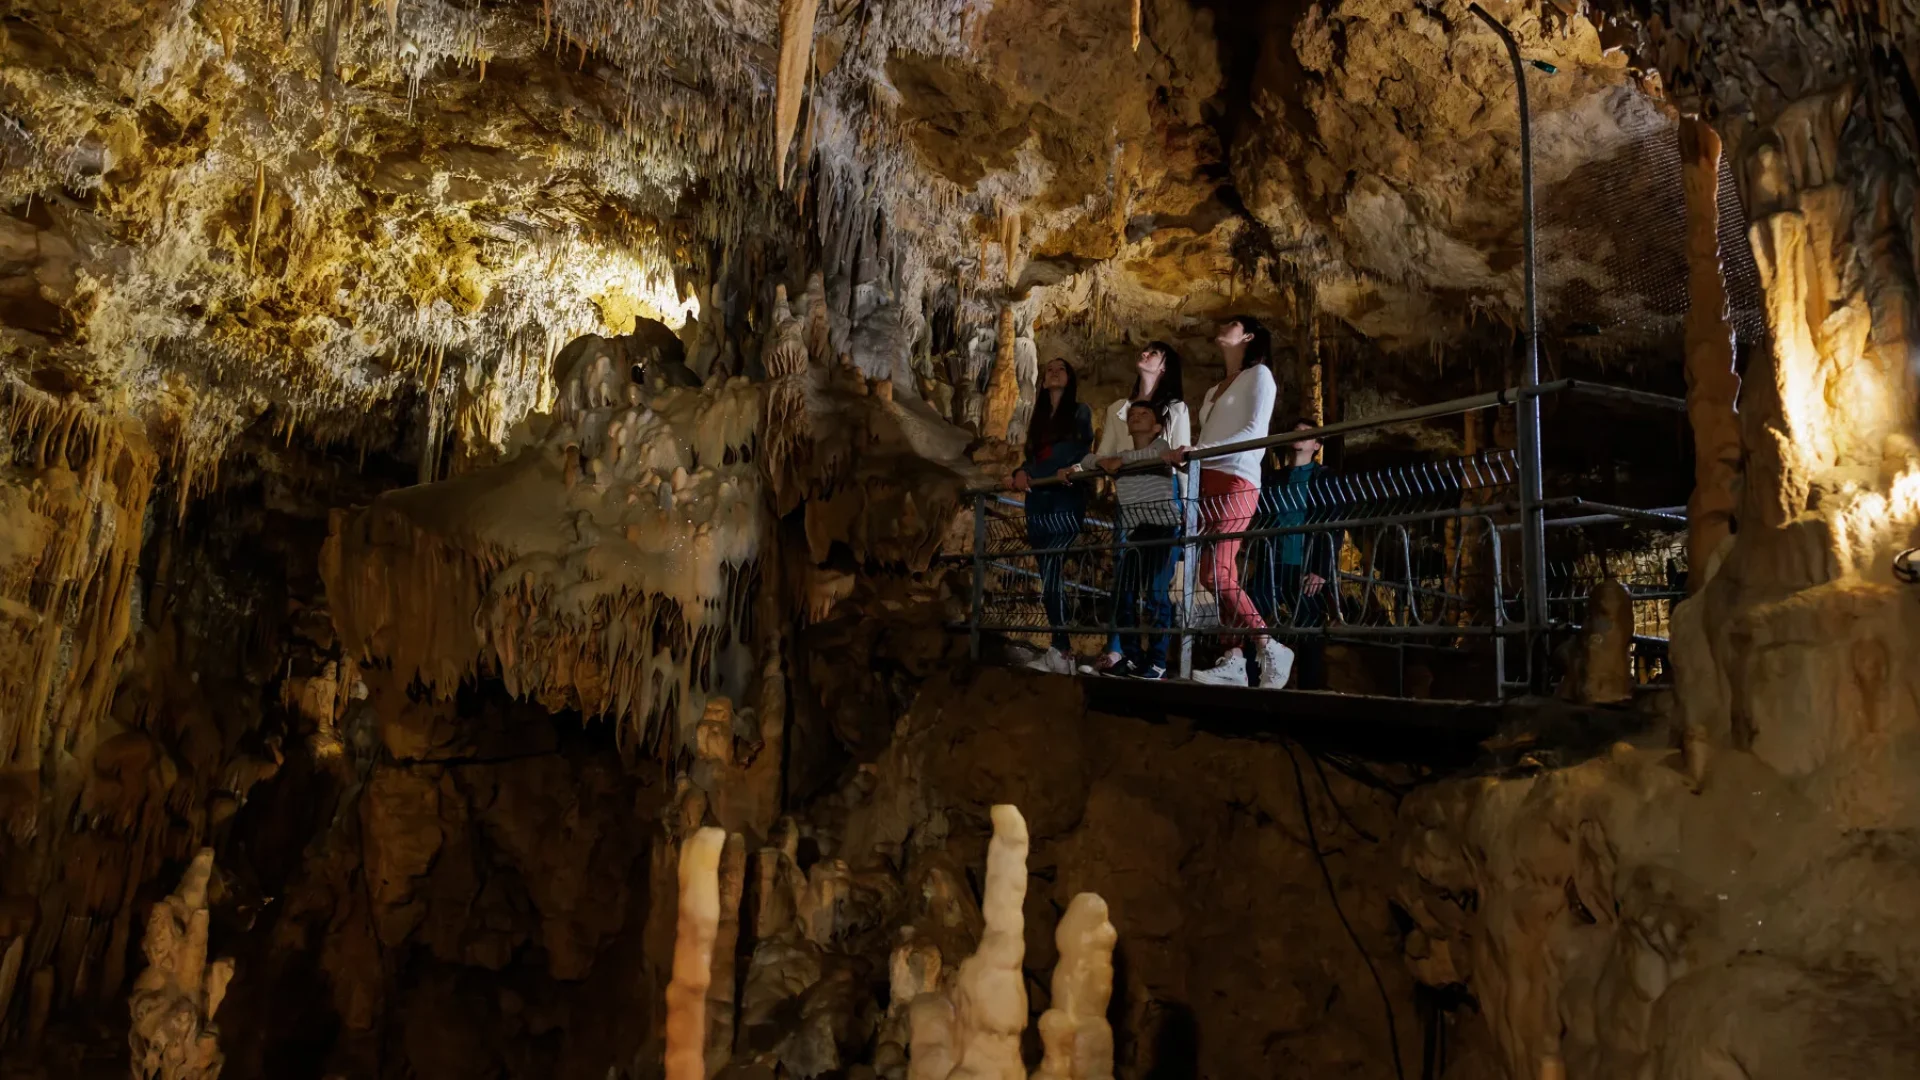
[1533,551]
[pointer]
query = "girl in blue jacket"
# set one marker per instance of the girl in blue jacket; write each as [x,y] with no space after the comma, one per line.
[1060,434]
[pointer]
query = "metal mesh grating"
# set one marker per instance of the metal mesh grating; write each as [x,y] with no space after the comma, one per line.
[1612,246]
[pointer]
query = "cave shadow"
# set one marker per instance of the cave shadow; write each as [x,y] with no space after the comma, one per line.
[1166,1043]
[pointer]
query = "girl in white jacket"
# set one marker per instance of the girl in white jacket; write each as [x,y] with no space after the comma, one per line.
[1158,384]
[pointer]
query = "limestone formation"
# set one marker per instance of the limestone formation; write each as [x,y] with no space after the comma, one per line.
[1003,391]
[173,1033]
[1606,669]
[796,60]
[699,922]
[973,1032]
[1074,1029]
[1712,385]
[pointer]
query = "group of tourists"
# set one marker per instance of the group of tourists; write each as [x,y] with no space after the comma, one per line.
[1145,442]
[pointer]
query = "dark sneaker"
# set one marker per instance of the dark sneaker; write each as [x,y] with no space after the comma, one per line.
[1155,671]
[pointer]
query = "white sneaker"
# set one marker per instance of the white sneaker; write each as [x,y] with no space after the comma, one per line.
[1276,666]
[1230,671]
[1053,662]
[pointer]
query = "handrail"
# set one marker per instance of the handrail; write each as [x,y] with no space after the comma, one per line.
[1474,403]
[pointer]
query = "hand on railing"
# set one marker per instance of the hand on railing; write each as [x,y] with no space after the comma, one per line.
[1176,456]
[1311,584]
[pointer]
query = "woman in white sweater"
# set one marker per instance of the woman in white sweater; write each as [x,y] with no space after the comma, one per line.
[1238,408]
[1158,384]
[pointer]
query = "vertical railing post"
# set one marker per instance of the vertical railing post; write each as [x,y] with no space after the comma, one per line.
[1499,615]
[979,573]
[1119,587]
[1533,551]
[1190,529]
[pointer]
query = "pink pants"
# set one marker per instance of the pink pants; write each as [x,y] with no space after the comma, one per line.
[1226,506]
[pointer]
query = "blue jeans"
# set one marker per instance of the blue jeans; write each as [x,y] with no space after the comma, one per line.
[1145,579]
[1054,519]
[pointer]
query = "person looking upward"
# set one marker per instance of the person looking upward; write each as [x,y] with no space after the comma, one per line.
[1058,436]
[1150,510]
[1158,383]
[1236,409]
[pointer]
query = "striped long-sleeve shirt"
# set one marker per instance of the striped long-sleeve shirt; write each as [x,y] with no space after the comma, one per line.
[1147,497]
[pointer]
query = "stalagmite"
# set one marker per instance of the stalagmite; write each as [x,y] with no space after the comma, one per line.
[930,1051]
[1712,385]
[699,924]
[796,56]
[722,992]
[1078,1039]
[174,1000]
[1607,641]
[1003,392]
[990,993]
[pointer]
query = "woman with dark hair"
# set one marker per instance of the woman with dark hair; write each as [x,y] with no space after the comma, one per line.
[1058,436]
[1235,410]
[1157,383]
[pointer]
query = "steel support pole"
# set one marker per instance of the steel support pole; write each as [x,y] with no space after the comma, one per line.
[1533,551]
[1190,517]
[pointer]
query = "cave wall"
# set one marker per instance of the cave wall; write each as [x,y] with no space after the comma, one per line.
[686,453]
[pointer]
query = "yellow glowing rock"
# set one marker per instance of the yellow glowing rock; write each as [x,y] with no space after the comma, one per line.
[990,994]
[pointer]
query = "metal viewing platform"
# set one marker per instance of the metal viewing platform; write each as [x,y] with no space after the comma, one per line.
[1467,556]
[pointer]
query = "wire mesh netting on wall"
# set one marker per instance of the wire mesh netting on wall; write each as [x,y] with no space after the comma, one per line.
[1612,236]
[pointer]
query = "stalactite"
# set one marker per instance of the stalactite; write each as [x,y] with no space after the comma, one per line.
[73,606]
[1003,393]
[796,56]
[1712,385]
[1010,225]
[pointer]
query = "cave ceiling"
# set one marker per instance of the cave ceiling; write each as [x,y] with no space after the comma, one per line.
[218,209]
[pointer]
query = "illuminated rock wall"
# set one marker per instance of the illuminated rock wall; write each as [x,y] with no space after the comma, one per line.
[1735,893]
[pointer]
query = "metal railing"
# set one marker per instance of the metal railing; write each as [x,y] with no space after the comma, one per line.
[1434,552]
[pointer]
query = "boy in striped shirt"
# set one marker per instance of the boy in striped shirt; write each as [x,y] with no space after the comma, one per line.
[1149,510]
